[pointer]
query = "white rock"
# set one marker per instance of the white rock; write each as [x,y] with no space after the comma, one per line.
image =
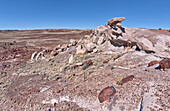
[79,64]
[100,41]
[95,50]
[45,88]
[38,55]
[71,59]
[146,45]
[73,42]
[81,50]
[89,46]
[95,39]
[33,56]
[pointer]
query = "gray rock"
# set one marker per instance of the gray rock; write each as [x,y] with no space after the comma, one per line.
[89,46]
[81,50]
[100,41]
[95,39]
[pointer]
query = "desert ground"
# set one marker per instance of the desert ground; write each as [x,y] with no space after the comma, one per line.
[70,69]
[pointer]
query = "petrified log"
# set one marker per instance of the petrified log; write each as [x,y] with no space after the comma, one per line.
[106,93]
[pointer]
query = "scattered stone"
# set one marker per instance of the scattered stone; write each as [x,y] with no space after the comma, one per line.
[95,50]
[165,63]
[39,55]
[73,42]
[89,62]
[45,88]
[71,59]
[79,64]
[53,53]
[95,39]
[64,47]
[90,46]
[101,30]
[152,63]
[100,41]
[106,94]
[57,47]
[33,56]
[81,50]
[126,79]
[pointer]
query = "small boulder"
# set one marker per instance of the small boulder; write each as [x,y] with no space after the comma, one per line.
[89,46]
[106,94]
[89,63]
[64,47]
[33,56]
[126,79]
[57,47]
[81,50]
[165,63]
[95,50]
[101,30]
[152,63]
[73,42]
[95,39]
[53,53]
[100,41]
[40,54]
[145,45]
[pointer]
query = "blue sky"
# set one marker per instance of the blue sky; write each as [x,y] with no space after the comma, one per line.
[83,14]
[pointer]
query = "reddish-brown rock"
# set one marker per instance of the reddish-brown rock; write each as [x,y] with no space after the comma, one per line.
[165,63]
[106,93]
[152,63]
[89,62]
[126,79]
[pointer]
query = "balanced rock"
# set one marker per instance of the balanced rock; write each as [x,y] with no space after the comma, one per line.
[114,21]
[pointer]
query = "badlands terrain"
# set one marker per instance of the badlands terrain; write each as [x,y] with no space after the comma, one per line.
[110,68]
